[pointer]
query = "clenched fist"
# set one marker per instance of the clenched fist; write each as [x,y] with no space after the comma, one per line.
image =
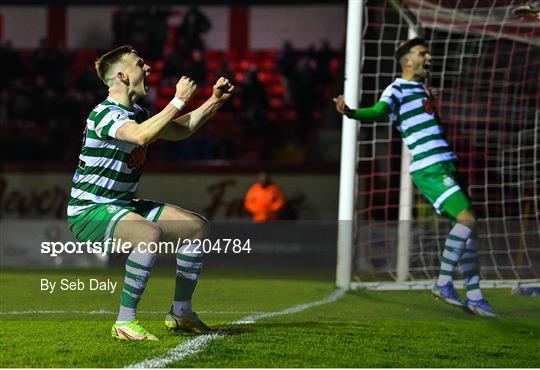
[433,93]
[341,107]
[185,88]
[223,89]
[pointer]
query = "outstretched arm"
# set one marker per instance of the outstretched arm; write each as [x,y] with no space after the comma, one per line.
[377,112]
[186,125]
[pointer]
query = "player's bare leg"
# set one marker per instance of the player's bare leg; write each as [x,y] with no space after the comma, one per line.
[467,218]
[136,229]
[179,223]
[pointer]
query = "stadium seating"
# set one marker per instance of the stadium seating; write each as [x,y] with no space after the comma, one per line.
[281,110]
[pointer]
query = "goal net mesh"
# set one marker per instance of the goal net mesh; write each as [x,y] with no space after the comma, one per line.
[486,64]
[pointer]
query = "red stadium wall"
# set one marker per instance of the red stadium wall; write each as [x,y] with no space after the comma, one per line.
[253,27]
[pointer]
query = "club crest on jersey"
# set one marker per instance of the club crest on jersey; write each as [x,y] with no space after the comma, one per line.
[428,106]
[448,181]
[112,208]
[137,157]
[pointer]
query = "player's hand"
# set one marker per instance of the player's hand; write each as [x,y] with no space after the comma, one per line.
[223,89]
[433,93]
[185,89]
[341,107]
[527,10]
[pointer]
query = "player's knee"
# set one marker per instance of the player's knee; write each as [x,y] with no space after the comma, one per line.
[152,233]
[467,218]
[470,223]
[202,226]
[198,226]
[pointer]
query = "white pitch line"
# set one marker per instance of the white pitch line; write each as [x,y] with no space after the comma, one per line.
[47,312]
[194,346]
[338,294]
[189,348]
[105,312]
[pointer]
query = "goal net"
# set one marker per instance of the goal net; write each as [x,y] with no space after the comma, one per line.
[486,64]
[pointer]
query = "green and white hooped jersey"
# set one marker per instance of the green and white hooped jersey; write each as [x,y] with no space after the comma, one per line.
[109,169]
[416,120]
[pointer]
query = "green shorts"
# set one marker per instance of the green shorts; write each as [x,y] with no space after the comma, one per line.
[439,185]
[97,223]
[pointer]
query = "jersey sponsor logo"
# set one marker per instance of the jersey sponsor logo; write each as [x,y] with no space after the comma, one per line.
[428,106]
[137,158]
[82,164]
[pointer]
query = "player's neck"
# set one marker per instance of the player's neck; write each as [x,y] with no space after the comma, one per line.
[411,77]
[121,97]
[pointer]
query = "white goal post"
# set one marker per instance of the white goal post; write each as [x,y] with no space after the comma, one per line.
[347,181]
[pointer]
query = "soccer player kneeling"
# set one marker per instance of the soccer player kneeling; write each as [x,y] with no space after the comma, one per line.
[101,206]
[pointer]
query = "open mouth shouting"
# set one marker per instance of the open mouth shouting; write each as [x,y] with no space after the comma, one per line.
[145,82]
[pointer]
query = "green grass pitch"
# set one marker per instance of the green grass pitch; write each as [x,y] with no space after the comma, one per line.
[363,329]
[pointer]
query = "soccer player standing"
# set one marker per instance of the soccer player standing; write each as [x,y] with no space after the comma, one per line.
[408,104]
[102,204]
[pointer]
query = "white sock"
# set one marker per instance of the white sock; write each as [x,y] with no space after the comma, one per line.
[138,267]
[453,248]
[470,268]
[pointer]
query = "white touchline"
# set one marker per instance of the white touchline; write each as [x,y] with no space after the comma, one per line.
[105,312]
[46,312]
[196,345]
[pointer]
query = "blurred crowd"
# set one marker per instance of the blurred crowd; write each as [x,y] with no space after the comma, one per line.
[47,93]
[42,108]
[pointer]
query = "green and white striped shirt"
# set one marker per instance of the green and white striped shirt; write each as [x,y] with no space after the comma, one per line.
[109,169]
[415,118]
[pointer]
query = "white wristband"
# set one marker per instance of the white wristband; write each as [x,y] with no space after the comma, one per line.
[178,103]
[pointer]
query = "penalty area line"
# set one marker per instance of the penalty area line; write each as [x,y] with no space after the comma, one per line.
[196,345]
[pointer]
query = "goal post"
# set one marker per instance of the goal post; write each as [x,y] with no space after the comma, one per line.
[347,181]
[348,168]
[486,65]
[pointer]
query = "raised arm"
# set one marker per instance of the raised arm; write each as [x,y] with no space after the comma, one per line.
[379,111]
[186,125]
[149,130]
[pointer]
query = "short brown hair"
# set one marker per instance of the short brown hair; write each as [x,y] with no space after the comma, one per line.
[104,63]
[406,46]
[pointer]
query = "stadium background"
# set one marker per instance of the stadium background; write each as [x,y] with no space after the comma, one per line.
[290,131]
[283,121]
[295,137]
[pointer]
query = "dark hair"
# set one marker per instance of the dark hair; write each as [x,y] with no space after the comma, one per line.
[107,60]
[406,47]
